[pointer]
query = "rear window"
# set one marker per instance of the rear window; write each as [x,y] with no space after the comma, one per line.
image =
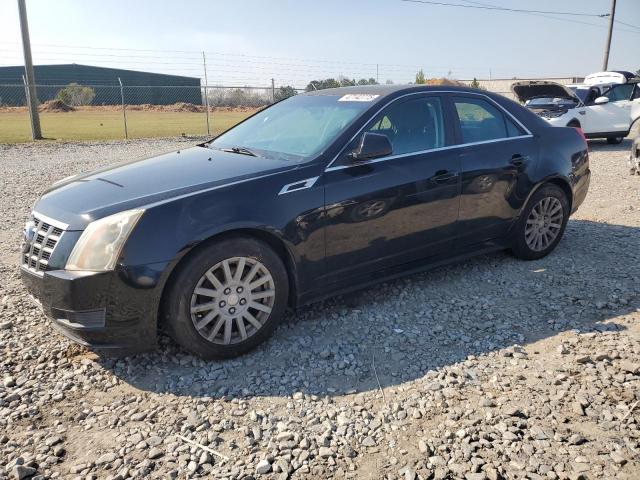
[481,121]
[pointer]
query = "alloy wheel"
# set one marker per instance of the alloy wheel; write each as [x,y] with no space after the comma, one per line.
[232,300]
[544,224]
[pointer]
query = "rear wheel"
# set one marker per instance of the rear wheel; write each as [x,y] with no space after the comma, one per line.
[227,298]
[542,223]
[614,140]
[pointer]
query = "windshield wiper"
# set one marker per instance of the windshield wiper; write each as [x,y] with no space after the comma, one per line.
[240,150]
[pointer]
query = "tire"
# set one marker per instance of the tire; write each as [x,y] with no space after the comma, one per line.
[524,244]
[211,312]
[614,140]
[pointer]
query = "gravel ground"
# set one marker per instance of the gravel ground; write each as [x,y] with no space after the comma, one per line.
[493,368]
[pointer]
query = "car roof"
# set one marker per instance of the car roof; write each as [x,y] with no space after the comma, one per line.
[386,90]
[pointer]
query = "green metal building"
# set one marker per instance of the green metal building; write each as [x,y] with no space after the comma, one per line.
[139,87]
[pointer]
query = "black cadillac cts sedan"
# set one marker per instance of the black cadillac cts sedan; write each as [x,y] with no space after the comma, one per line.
[319,194]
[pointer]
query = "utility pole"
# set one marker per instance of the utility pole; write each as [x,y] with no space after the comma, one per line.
[377,74]
[206,94]
[273,90]
[32,98]
[124,110]
[607,48]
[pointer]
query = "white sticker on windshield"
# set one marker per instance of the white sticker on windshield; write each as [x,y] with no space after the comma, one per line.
[352,97]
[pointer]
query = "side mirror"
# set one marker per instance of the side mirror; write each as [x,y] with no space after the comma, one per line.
[601,100]
[372,145]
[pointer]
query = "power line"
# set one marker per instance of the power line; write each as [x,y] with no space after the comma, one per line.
[626,24]
[238,64]
[542,15]
[506,9]
[571,20]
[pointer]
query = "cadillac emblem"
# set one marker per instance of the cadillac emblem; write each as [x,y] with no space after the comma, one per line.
[29,234]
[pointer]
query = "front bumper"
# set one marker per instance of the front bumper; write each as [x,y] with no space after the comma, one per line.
[104,311]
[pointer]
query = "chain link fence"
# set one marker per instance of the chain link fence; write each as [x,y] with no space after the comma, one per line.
[117,111]
[102,112]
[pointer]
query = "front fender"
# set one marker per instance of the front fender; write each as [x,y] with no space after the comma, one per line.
[169,231]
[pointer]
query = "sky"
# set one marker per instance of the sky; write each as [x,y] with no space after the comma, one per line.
[248,42]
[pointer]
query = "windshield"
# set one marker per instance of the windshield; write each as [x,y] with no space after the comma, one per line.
[581,93]
[299,127]
[549,101]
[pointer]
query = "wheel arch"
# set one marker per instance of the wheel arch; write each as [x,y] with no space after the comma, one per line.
[275,242]
[560,182]
[574,122]
[564,185]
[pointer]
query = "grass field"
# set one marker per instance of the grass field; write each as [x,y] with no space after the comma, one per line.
[108,125]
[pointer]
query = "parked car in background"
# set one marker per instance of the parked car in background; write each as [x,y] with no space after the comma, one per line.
[316,195]
[605,106]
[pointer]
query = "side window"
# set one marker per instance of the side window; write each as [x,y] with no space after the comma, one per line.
[636,92]
[619,92]
[481,121]
[412,125]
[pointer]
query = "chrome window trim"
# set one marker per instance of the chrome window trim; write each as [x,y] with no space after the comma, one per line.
[329,168]
[402,155]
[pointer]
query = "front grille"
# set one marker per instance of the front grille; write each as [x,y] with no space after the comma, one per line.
[40,242]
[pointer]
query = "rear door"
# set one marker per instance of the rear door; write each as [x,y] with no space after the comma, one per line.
[395,209]
[495,152]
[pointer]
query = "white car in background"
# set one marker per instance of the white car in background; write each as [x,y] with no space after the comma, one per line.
[606,105]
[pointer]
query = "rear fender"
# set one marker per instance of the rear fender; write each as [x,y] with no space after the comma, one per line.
[557,180]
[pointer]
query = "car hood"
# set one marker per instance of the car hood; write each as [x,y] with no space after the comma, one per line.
[527,90]
[83,198]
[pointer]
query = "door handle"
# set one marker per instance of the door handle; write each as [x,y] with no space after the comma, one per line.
[442,176]
[519,160]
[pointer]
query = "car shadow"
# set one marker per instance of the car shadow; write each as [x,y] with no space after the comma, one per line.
[411,326]
[601,145]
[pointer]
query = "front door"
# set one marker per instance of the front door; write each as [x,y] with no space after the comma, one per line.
[614,116]
[394,209]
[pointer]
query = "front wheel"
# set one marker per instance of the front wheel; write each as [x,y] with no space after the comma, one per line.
[227,298]
[542,224]
[614,140]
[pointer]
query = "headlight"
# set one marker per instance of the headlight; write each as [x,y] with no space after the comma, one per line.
[100,244]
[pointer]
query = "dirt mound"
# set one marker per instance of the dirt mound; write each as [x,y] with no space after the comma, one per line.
[176,107]
[184,107]
[444,81]
[55,106]
[237,109]
[141,107]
